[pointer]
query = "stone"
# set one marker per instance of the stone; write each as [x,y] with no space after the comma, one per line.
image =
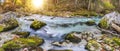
[37,25]
[72,38]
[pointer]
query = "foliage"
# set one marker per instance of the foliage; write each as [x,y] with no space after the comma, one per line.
[108,5]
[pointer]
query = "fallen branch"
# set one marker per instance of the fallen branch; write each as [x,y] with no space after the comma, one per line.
[116,27]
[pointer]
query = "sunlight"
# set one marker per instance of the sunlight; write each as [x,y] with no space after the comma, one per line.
[38,3]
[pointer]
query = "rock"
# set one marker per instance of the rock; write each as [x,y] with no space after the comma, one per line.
[72,38]
[22,42]
[8,24]
[90,23]
[59,44]
[37,25]
[36,49]
[106,21]
[93,45]
[21,34]
[61,50]
[29,19]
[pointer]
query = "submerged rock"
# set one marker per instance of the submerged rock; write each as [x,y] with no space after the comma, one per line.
[72,38]
[37,25]
[21,34]
[90,23]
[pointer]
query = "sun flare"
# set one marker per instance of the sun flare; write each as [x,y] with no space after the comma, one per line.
[38,3]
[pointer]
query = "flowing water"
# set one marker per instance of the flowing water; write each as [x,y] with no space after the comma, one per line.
[57,27]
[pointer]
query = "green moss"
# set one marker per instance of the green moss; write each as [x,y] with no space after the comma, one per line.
[60,50]
[90,23]
[23,42]
[1,49]
[116,40]
[38,40]
[103,24]
[21,34]
[10,24]
[37,25]
[72,38]
[1,28]
[93,45]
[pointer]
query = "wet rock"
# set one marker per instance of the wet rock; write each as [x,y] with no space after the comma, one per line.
[29,19]
[60,50]
[8,24]
[22,42]
[21,34]
[90,23]
[36,49]
[72,38]
[106,21]
[64,25]
[59,44]
[37,25]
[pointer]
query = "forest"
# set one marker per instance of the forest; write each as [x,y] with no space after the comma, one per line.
[59,25]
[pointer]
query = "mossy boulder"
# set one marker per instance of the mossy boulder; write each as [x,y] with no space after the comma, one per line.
[21,34]
[60,50]
[90,23]
[103,24]
[22,42]
[9,24]
[93,45]
[72,38]
[37,25]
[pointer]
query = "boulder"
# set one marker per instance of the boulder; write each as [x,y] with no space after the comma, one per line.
[72,38]
[90,22]
[8,23]
[22,42]
[37,25]
[21,34]
[108,19]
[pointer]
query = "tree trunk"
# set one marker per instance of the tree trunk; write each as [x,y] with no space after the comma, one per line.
[116,27]
[89,4]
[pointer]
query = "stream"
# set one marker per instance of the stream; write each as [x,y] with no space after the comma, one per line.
[57,27]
